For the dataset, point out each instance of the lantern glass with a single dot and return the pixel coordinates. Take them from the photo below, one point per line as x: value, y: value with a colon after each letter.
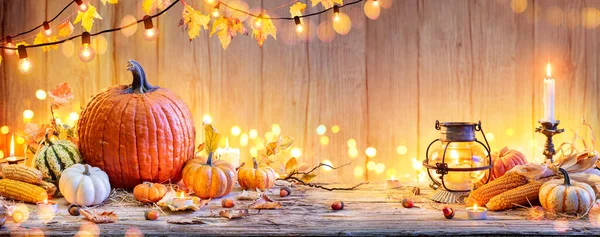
x: 459, y: 155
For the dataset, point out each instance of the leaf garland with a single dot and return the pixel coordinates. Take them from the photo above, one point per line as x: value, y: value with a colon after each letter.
x: 149, y: 5
x: 87, y: 17
x: 327, y: 3
x: 297, y: 9
x: 266, y: 28
x: 42, y: 39
x: 194, y: 19
x: 226, y: 28
x: 212, y: 137
x: 65, y: 29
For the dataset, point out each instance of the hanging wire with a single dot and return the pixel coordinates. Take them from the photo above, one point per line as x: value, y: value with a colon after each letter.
x: 37, y: 27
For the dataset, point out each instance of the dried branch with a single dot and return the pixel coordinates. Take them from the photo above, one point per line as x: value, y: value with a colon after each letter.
x: 322, y: 187
x: 313, y: 169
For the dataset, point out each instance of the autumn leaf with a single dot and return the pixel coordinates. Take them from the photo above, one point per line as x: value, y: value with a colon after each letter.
x: 327, y: 3
x: 271, y: 148
x: 61, y: 95
x: 291, y: 166
x: 297, y: 9
x: 34, y: 133
x: 87, y: 17
x: 20, y: 43
x: 266, y: 28
x: 285, y: 143
x: 226, y: 28
x: 230, y: 214
x: 200, y: 147
x: 99, y: 217
x: 307, y: 178
x: 109, y: 1
x: 194, y: 20
x: 65, y: 29
x: 264, y: 202
x: 149, y: 5
x: 42, y: 39
x: 212, y: 138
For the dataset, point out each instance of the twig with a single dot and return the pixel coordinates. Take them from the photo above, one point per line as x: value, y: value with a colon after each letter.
x: 322, y: 187
x: 315, y: 168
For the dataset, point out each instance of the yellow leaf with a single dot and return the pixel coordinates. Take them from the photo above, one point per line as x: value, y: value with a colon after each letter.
x: 307, y: 178
x: 271, y: 148
x: 87, y: 17
x: 109, y: 1
x: 20, y: 43
x: 297, y: 9
x: 285, y: 143
x: 194, y: 20
x: 212, y: 138
x: 149, y: 5
x: 65, y: 29
x: 266, y: 28
x: 327, y: 3
x: 42, y: 39
x: 226, y: 28
x: 291, y: 166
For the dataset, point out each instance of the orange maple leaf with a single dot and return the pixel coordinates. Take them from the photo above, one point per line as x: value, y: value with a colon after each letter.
x: 61, y: 95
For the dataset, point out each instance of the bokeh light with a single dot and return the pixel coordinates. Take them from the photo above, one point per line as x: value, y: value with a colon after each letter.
x: 352, y: 152
x: 359, y: 171
x: 371, y: 152
x: 4, y: 130
x: 371, y: 165
x: 235, y: 131
x: 380, y: 168
x: 509, y: 132
x: 335, y: 129
x: 253, y: 133
x: 325, y: 31
x: 244, y: 140
x: 351, y: 143
x: 129, y: 31
x: 321, y: 129
x: 518, y: 6
x: 402, y: 150
x: 41, y: 94
x: 68, y: 48
x: 324, y: 140
x: 275, y: 129
x: 206, y: 119
x: 296, y: 152
x: 343, y: 24
x: 327, y: 162
x: 490, y: 136
x: 27, y: 114
x: 20, y: 140
x: 269, y: 136
x: 253, y: 152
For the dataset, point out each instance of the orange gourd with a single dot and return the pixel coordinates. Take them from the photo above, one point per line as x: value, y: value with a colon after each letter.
x: 137, y: 132
x: 251, y: 178
x: 504, y: 160
x: 149, y: 192
x: 208, y: 178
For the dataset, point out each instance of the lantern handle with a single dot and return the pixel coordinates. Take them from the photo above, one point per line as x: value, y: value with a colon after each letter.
x: 437, y: 125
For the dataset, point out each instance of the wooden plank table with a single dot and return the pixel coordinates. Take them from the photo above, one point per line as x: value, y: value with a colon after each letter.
x: 368, y: 211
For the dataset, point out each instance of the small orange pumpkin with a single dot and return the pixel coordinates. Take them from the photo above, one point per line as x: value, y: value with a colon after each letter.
x: 251, y: 178
x: 149, y: 192
x: 504, y: 160
x: 208, y: 178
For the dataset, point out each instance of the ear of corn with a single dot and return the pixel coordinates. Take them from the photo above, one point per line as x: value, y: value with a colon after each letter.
x: 49, y: 187
x: 22, y: 173
x: 521, y: 195
x: 22, y: 191
x: 483, y: 194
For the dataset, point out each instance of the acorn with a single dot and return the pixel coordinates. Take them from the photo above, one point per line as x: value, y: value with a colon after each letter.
x: 285, y: 191
x: 339, y: 205
x: 448, y: 212
x: 151, y: 215
x: 227, y: 203
x: 416, y: 190
x: 407, y: 203
x: 74, y: 210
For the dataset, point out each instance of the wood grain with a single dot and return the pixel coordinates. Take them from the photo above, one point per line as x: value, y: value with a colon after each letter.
x: 384, y: 84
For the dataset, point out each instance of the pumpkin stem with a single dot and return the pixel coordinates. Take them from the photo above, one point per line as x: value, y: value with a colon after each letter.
x: 47, y: 139
x: 566, y: 175
x: 255, y: 163
x: 209, y: 159
x: 87, y: 170
x: 139, y: 84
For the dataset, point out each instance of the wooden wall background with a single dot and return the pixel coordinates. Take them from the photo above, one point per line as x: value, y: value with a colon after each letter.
x: 384, y: 84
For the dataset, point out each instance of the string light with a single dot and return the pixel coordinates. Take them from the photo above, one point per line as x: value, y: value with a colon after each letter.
x: 151, y: 32
x: 299, y: 27
x: 258, y: 21
x: 215, y: 12
x: 9, y: 44
x: 86, y: 53
x: 24, y: 63
x: 83, y: 7
x: 372, y: 9
x: 47, y: 30
x: 336, y: 13
x: 375, y: 3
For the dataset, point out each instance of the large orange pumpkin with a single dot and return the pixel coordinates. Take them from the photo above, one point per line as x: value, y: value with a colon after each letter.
x: 137, y: 132
x: 504, y: 160
x: 208, y: 178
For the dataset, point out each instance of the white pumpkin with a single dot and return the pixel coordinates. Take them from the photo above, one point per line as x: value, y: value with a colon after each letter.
x: 84, y: 185
x: 566, y: 196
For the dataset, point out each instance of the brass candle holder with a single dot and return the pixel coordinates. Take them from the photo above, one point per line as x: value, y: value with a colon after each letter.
x: 549, y: 128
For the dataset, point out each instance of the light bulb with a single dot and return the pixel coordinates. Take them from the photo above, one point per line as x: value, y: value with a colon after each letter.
x: 375, y: 3
x: 343, y: 25
x: 47, y: 30
x: 336, y: 13
x: 83, y: 7
x: 372, y: 10
x: 25, y: 66
x: 336, y: 17
x: 299, y: 27
x: 215, y: 12
x: 86, y: 53
x: 9, y: 51
x: 258, y: 23
x: 151, y: 32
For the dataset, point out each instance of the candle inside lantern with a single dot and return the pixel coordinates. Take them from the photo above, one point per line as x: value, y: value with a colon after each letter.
x: 392, y: 183
x: 456, y: 180
x: 181, y: 200
x: 46, y: 210
x: 549, y: 85
x: 477, y: 213
x: 231, y: 155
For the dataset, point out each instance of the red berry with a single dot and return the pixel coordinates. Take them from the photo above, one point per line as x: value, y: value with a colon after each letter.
x: 448, y: 212
x: 285, y: 191
x: 151, y: 215
x: 228, y: 203
x: 339, y: 205
x: 407, y: 203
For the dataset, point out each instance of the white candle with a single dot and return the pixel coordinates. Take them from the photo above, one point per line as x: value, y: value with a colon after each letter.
x: 455, y: 180
x: 181, y: 201
x: 477, y: 213
x: 392, y: 183
x: 549, y: 96
x: 231, y: 155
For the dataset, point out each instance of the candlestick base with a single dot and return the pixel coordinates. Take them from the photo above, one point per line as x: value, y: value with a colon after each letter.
x: 549, y: 129
x: 444, y: 196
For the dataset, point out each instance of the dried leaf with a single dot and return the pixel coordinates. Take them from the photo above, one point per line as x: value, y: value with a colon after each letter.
x: 87, y: 17
x: 61, y: 95
x: 149, y: 5
x: 291, y: 166
x: 230, y: 214
x: 200, y: 147
x: 327, y: 3
x: 303, y: 167
x: 194, y: 20
x: 34, y: 133
x: 285, y: 143
x: 271, y: 148
x: 42, y: 39
x: 226, y: 28
x: 186, y: 221
x: 109, y: 1
x: 212, y: 138
x: 307, y: 178
x: 99, y: 218
x: 297, y: 9
x: 264, y: 202
x: 65, y: 29
x: 246, y: 195
x: 167, y: 201
x: 266, y: 28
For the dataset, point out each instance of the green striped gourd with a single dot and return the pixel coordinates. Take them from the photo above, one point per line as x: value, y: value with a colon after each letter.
x: 56, y: 156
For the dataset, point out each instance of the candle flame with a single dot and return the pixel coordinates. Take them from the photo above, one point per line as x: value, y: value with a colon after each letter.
x: 46, y: 201
x: 226, y: 142
x: 548, y: 71
x: 475, y: 208
x: 181, y: 195
x: 392, y: 178
x: 12, y: 146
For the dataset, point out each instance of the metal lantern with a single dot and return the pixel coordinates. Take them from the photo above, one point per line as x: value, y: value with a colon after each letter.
x: 458, y: 162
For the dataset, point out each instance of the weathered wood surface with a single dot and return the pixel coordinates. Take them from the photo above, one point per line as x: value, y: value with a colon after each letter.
x: 384, y: 84
x: 368, y: 211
